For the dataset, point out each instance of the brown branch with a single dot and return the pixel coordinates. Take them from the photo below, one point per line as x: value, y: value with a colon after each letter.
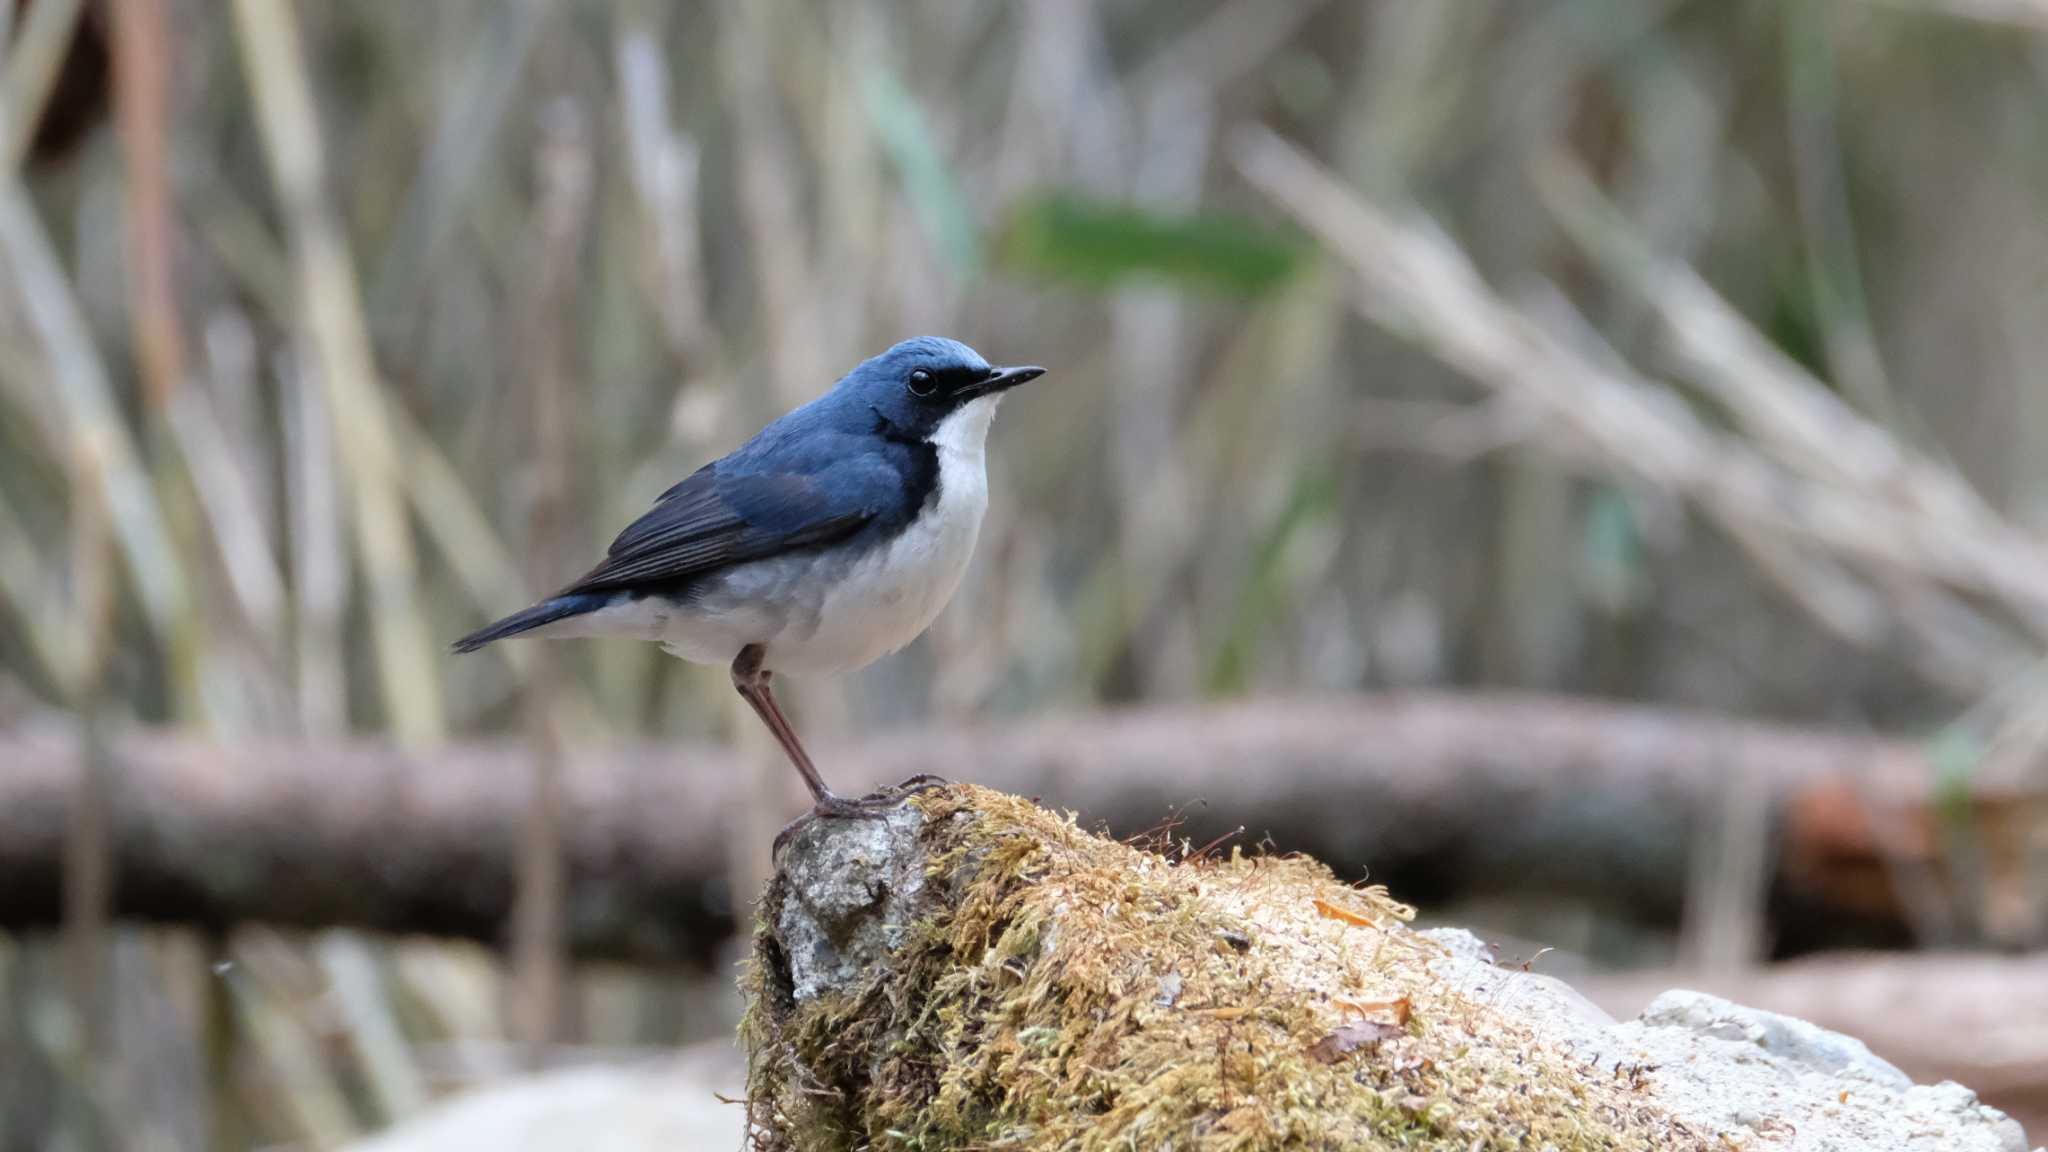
x: 1442, y: 794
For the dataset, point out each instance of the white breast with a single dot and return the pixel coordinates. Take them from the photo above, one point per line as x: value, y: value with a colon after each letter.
x: 889, y: 597
x: 829, y: 612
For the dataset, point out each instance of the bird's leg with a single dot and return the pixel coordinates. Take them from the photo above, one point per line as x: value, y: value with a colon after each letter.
x: 752, y: 682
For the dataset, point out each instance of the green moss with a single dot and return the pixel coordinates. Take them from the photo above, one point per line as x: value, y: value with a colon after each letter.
x: 1063, y: 991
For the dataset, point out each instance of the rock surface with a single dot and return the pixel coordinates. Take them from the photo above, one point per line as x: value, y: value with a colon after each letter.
x: 1697, y: 1070
x: 878, y: 929
x: 1760, y: 1078
x: 852, y: 896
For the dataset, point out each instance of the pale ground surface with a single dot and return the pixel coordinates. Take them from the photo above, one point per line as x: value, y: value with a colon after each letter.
x: 667, y: 1106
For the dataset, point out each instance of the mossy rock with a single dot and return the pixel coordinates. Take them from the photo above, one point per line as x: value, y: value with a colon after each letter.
x: 974, y: 972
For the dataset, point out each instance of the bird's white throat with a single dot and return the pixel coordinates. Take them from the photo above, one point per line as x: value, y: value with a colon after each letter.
x: 964, y: 433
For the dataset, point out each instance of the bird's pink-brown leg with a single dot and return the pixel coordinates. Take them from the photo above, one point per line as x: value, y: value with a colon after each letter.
x: 752, y: 681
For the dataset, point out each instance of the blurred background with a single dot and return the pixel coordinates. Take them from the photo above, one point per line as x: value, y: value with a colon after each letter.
x: 1582, y: 463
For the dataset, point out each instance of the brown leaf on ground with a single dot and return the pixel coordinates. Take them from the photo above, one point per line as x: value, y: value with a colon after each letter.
x: 1395, y: 1012
x: 1351, y: 1037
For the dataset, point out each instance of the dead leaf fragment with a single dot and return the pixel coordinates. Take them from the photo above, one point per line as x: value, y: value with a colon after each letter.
x: 1351, y: 1037
x: 1344, y: 914
x: 1395, y: 1012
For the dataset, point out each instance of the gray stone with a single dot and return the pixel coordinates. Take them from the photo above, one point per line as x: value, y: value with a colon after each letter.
x: 850, y: 892
x: 1760, y: 1079
x: 1460, y: 943
x: 1791, y: 1041
x: 1569, y: 1020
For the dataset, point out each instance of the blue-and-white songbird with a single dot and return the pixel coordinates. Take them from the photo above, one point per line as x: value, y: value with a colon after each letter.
x: 829, y: 540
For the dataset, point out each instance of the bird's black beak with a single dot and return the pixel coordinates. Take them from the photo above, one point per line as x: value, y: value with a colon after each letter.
x: 1004, y: 379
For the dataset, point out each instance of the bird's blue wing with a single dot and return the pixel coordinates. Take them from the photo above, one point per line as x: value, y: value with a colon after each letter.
x: 714, y: 519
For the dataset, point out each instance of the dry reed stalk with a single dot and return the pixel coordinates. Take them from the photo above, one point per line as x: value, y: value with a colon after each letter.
x: 141, y: 41
x: 228, y: 495
x: 86, y: 396
x: 391, y: 1071
x: 319, y: 548
x: 450, y: 517
x: 1418, y: 282
x: 466, y: 128
x: 267, y: 985
x: 769, y: 182
x: 333, y: 322
x: 88, y: 841
x: 663, y: 165
x: 563, y: 173
x: 26, y: 588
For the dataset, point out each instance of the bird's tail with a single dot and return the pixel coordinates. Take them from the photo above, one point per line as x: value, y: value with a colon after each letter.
x: 546, y: 612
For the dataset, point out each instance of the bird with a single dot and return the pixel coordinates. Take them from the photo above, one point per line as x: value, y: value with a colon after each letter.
x: 832, y: 538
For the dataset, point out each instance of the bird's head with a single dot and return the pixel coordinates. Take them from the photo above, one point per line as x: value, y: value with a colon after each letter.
x: 933, y: 388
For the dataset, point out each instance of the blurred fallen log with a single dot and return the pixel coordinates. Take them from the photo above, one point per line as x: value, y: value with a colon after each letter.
x: 1443, y: 794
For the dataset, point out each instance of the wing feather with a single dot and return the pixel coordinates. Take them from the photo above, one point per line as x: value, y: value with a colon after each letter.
x: 709, y: 521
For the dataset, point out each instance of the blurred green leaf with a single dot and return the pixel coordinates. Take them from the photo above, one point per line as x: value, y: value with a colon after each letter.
x: 1954, y: 753
x: 1793, y: 321
x: 1611, y: 551
x: 927, y: 180
x: 1313, y: 497
x: 1100, y: 244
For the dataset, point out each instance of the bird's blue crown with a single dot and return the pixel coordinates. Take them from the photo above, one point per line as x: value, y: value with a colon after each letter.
x: 931, y: 353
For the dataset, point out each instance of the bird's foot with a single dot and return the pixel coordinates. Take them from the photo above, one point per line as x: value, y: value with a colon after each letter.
x: 831, y: 807
x: 872, y: 806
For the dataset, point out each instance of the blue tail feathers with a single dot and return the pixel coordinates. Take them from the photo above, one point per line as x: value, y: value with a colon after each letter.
x: 546, y: 612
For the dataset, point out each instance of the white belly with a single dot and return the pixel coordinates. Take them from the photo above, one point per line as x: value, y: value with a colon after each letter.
x: 886, y: 599
x: 832, y: 611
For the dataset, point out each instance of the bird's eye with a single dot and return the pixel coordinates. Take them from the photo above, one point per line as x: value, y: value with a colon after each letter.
x: 922, y: 384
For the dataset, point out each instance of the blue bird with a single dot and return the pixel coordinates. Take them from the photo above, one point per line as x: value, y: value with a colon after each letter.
x: 829, y: 540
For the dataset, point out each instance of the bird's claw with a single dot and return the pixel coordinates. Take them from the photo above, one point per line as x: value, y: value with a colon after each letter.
x: 872, y: 806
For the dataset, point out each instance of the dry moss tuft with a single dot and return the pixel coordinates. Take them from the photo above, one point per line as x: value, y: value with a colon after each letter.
x: 1062, y: 991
